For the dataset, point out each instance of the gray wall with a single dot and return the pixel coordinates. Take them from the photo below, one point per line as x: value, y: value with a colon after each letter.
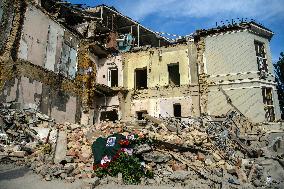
x: 46, y: 43
x: 230, y: 60
x: 233, y: 52
x: 58, y: 104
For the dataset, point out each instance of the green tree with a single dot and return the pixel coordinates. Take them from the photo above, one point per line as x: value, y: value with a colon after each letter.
x: 279, y: 73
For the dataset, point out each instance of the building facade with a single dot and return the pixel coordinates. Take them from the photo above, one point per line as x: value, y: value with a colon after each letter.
x: 94, y: 64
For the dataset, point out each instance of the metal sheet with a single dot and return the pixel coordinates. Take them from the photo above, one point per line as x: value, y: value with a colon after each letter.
x: 51, y: 48
x: 73, y: 63
x: 64, y: 59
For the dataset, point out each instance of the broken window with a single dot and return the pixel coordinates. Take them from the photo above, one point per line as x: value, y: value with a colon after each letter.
x: 140, y: 114
x: 268, y: 102
x: 177, y: 110
x: 141, y: 78
x: 174, y: 76
x: 109, y: 116
x: 261, y: 57
x: 113, y: 77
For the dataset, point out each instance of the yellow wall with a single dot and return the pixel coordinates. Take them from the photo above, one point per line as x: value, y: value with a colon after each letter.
x: 157, y: 67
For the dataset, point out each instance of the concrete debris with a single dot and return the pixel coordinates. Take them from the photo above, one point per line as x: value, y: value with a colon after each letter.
x: 179, y: 175
x: 204, y: 152
x: 22, y: 130
x: 156, y: 157
x: 61, y: 147
x: 142, y: 149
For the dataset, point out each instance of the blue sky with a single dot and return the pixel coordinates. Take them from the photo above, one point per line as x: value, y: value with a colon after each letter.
x: 182, y: 17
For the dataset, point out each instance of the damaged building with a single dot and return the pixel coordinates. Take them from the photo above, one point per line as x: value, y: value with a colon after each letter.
x: 88, y: 65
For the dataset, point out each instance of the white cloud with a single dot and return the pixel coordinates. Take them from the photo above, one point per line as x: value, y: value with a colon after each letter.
x: 260, y: 9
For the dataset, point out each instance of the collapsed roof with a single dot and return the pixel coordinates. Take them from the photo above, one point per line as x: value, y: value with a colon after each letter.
x: 106, y: 26
x: 102, y: 20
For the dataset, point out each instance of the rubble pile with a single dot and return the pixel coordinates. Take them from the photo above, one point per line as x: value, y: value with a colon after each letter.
x: 75, y: 161
x: 19, y: 129
x: 215, y: 152
x: 208, y: 151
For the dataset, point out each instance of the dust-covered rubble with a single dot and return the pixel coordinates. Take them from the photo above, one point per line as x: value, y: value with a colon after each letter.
x: 208, y: 151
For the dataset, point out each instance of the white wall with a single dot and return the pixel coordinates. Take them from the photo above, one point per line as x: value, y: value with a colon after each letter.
x: 107, y: 63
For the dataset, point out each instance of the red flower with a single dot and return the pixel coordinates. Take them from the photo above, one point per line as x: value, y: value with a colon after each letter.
x: 115, y: 156
x: 121, y: 142
x: 95, y: 167
x: 124, y: 142
x: 104, y: 165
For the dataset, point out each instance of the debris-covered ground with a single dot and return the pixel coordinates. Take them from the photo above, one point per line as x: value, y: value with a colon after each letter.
x: 205, y: 152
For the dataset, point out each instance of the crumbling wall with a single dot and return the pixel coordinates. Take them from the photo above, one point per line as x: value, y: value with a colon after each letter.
x: 33, y: 42
x: 159, y: 98
x: 276, y: 104
x: 13, y: 16
x: 202, y: 75
x: 104, y: 65
x: 6, y: 16
x: 230, y: 62
x: 193, y: 63
x: 15, y: 90
x: 166, y: 106
x: 54, y: 96
x: 230, y: 53
x: 32, y: 83
x: 157, y: 61
x: 104, y: 104
x: 159, y: 102
x: 247, y: 100
x: 86, y: 76
x: 6, y: 19
x: 50, y: 45
x: 162, y: 107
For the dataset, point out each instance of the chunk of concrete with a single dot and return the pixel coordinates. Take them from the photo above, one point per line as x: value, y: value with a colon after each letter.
x: 156, y: 157
x: 142, y: 149
x: 20, y: 154
x: 43, y: 133
x: 179, y: 175
x: 61, y: 147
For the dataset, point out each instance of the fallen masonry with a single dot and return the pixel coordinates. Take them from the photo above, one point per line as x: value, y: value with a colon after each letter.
x: 215, y: 152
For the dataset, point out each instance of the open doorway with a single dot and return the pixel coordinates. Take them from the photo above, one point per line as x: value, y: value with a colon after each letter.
x: 177, y: 111
x: 139, y: 114
x: 109, y: 116
x: 113, y: 77
x: 141, y: 78
x: 174, y: 76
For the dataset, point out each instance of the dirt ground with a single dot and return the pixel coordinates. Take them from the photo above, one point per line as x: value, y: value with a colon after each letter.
x: 16, y: 177
x: 20, y: 177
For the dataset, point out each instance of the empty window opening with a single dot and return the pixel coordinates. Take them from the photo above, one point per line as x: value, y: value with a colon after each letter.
x: 113, y: 77
x: 261, y: 56
x: 174, y: 76
x: 268, y: 104
x: 177, y: 110
x: 141, y: 78
x: 109, y: 116
x: 140, y: 114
